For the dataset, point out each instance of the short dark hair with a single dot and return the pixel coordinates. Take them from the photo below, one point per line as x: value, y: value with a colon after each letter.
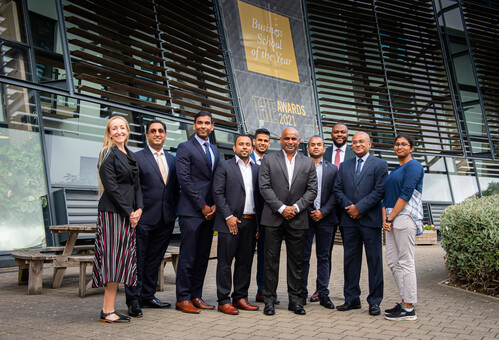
x: 203, y: 113
x: 239, y: 136
x: 403, y: 135
x: 155, y: 121
x: 262, y: 131
x: 340, y: 123
x: 315, y: 136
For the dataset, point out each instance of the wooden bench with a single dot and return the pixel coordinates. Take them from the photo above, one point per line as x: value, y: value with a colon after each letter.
x: 30, y: 263
x: 80, y: 249
x: 83, y: 261
x: 171, y: 255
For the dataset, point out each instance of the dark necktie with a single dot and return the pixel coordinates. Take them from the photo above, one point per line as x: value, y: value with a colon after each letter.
x: 208, y: 154
x: 357, y: 171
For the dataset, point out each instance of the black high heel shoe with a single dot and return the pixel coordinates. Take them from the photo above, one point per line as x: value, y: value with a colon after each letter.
x: 121, y: 318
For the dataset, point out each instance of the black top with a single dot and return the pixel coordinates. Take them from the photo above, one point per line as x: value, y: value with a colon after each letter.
x: 119, y: 175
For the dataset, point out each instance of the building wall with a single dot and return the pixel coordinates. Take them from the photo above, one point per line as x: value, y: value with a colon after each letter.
x: 65, y: 69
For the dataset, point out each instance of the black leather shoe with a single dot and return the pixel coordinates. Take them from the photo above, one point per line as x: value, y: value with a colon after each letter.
x: 269, y: 309
x: 135, y: 311
x: 326, y: 302
x: 374, y: 310
x: 349, y: 305
x: 155, y: 303
x: 297, y: 308
x: 121, y: 318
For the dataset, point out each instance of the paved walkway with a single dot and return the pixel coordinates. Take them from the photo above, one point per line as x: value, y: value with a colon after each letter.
x: 443, y: 312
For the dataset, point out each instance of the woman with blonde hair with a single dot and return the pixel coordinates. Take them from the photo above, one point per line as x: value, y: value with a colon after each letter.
x: 119, y: 210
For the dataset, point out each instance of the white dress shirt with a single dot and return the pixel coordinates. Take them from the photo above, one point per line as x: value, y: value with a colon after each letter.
x: 201, y: 142
x: 246, y: 172
x: 343, y: 150
x: 290, y: 165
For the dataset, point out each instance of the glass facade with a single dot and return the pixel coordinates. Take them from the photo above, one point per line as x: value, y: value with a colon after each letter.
x: 62, y: 76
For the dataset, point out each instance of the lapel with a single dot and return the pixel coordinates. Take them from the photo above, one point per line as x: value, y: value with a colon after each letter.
x: 122, y: 157
x: 203, y: 152
x: 325, y: 169
x: 299, y: 159
x: 150, y: 157
x: 171, y: 165
x: 364, y: 168
x: 237, y: 171
x: 282, y: 163
x: 254, y: 173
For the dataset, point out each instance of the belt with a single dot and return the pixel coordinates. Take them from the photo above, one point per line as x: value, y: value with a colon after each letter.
x: 249, y: 217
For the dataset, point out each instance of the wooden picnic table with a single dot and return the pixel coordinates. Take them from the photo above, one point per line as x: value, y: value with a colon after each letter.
x: 61, y: 262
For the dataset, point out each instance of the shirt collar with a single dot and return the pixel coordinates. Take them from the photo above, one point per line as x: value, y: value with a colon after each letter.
x: 363, y: 158
x: 200, y: 140
x: 286, y: 155
x: 154, y: 151
x: 343, y: 148
x: 240, y: 161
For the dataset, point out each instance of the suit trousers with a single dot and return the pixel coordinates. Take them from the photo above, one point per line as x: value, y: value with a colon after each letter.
x: 400, y: 257
x: 294, y: 239
x: 241, y: 248
x: 323, y: 238
x: 260, y: 251
x: 196, y: 236
x: 152, y: 242
x: 353, y: 239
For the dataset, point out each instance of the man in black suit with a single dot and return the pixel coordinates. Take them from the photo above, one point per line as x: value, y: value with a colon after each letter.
x: 341, y: 152
x: 288, y: 185
x: 359, y: 189
x: 196, y: 162
x: 158, y: 181
x: 322, y: 222
x: 235, y: 191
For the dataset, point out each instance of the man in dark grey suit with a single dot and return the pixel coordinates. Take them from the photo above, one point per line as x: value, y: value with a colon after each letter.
x: 235, y: 192
x: 359, y: 189
x: 288, y: 185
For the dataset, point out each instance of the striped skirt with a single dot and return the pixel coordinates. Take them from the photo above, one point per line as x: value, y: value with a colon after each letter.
x: 115, y: 251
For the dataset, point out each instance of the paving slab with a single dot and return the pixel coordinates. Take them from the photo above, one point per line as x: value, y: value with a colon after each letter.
x: 443, y: 312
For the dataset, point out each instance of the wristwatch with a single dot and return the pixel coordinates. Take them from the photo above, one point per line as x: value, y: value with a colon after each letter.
x: 295, y: 208
x: 388, y: 221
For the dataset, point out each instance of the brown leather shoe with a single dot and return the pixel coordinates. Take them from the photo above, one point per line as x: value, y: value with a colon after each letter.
x: 186, y: 307
x: 315, y: 297
x: 228, y: 308
x: 244, y: 304
x: 199, y: 303
x: 259, y: 298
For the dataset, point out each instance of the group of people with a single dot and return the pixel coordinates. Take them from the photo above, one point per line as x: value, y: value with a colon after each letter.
x: 255, y: 199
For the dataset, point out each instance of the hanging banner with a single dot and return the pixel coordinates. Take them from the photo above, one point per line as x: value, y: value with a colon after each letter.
x: 270, y: 62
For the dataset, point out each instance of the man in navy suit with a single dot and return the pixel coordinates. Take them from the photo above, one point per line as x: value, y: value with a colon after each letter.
x: 261, y: 143
x: 322, y: 222
x: 336, y: 154
x: 359, y: 189
x: 196, y: 163
x: 235, y: 191
x: 158, y: 181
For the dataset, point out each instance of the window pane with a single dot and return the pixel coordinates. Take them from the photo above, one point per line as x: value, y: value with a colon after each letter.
x: 14, y: 61
x: 23, y: 190
x: 11, y: 26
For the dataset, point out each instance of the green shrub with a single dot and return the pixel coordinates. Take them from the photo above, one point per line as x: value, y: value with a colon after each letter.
x: 470, y: 237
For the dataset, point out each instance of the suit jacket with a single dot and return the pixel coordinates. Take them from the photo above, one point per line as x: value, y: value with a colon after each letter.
x: 366, y: 195
x: 229, y: 193
x: 194, y: 177
x: 275, y: 190
x: 122, y: 193
x: 328, y: 200
x: 328, y: 155
x: 159, y: 199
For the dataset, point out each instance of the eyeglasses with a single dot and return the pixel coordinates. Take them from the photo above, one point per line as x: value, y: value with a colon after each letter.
x: 401, y: 144
x: 153, y: 131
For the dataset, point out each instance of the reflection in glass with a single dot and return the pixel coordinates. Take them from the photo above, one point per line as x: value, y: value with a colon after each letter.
x: 22, y: 175
x: 14, y: 61
x: 11, y: 27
